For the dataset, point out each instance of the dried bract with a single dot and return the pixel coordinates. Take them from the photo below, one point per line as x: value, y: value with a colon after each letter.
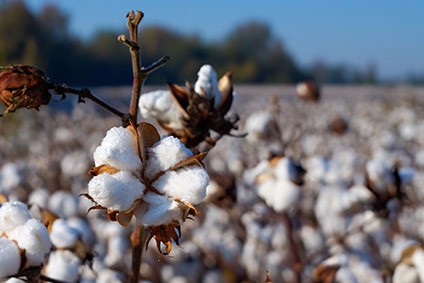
x: 308, y: 91
x: 23, y: 86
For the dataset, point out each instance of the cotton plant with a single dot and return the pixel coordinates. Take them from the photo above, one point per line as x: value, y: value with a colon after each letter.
x: 156, y: 179
x: 193, y: 113
x: 24, y: 242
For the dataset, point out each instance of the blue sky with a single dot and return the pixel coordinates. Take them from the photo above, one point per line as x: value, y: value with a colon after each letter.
x: 387, y: 33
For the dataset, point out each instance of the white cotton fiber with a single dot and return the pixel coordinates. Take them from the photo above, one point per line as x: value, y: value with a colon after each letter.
x: 188, y: 184
x: 10, y: 258
x: 63, y: 204
x: 164, y: 154
x: 161, y: 210
x: 161, y: 106
x: 119, y: 150
x: 63, y: 266
x: 75, y: 164
x: 10, y: 177
x: 62, y: 235
x: 281, y: 195
x: 83, y: 228
x: 256, y: 126
x: 34, y: 238
x: 207, y: 84
x: 117, y: 191
x: 12, y: 215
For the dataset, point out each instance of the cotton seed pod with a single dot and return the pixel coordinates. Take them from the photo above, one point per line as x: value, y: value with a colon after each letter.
x: 23, y: 86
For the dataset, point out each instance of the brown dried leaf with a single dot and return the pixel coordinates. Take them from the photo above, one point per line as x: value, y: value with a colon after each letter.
x: 124, y: 218
x: 180, y: 96
x: 102, y: 169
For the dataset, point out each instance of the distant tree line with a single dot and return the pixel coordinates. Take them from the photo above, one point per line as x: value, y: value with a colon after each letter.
x: 251, y: 51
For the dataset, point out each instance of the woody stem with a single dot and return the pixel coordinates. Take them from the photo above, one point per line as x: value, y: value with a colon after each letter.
x: 138, y: 240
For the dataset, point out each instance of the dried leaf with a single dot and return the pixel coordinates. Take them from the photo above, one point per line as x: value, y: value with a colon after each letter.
x: 147, y: 136
x: 102, y: 169
x: 180, y: 96
x: 124, y: 218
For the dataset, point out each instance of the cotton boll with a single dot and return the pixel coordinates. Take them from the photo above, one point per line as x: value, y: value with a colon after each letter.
x: 115, y: 191
x: 207, y: 84
x: 10, y: 177
x: 39, y: 197
x: 257, y: 126
x: 63, y: 266
x: 116, y: 247
x: 161, y: 106
x: 63, y: 204
x: 188, y: 184
x: 75, y: 164
x: 418, y: 261
x: 62, y: 235
x: 404, y: 273
x: 110, y: 276
x: 12, y: 215
x: 161, y: 210
x: 164, y: 154
x: 379, y: 174
x: 84, y: 229
x: 119, y: 150
x: 34, y: 238
x: 10, y: 258
x: 282, y: 195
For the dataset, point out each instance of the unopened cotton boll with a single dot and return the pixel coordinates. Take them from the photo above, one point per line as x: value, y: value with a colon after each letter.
x: 10, y: 258
x: 34, y: 238
x: 119, y: 150
x: 62, y: 235
x: 12, y: 215
x: 164, y: 154
x: 63, y: 266
x: 187, y: 184
x: 207, y: 84
x: 115, y: 191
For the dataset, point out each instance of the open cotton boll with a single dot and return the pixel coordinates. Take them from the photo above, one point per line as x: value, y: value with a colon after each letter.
x: 83, y: 228
x: 164, y: 154
x: 256, y: 126
x: 405, y: 273
x: 119, y: 150
x: 160, y: 105
x: 75, y: 164
x: 34, y: 238
x: 10, y: 258
x: 12, y: 215
x: 39, y: 197
x: 161, y: 210
x: 116, y: 247
x: 63, y: 204
x: 63, y: 266
x: 380, y: 174
x: 207, y: 84
x: 62, y: 235
x: 187, y: 184
x: 282, y: 195
x: 115, y: 191
x: 10, y: 177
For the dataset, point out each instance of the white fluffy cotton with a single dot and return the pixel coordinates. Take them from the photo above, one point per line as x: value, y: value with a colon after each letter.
x: 63, y: 204
x: 75, y: 164
x: 207, y: 84
x: 34, y: 238
x: 63, y: 235
x: 256, y: 126
x: 380, y: 174
x: 115, y: 191
x: 10, y: 258
x: 164, y: 154
x: 161, y: 210
x: 63, y: 266
x: 119, y: 150
x: 12, y: 215
x: 281, y: 195
x: 161, y: 106
x: 188, y: 184
x: 10, y: 177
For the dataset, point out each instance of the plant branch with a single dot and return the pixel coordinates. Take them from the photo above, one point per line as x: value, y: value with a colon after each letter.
x: 139, y: 73
x: 85, y: 93
x: 138, y: 240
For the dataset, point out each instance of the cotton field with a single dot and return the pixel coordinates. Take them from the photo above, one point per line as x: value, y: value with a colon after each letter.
x: 324, y: 190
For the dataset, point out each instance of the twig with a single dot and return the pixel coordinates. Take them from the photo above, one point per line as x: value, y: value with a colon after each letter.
x: 138, y: 240
x: 85, y: 93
